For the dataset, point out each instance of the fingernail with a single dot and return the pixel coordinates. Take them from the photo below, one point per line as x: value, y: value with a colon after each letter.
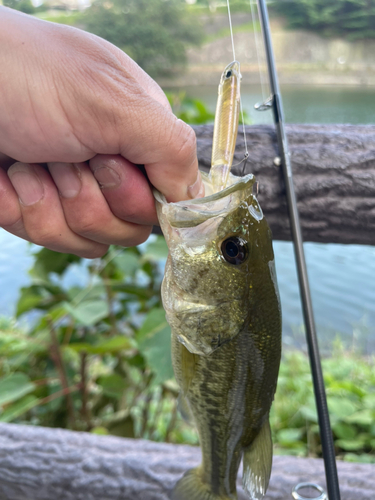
x: 26, y: 183
x: 196, y: 190
x: 66, y: 178
x: 107, y: 177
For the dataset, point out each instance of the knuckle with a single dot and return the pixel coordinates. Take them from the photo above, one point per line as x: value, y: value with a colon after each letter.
x: 184, y: 143
x: 12, y: 224
x: 87, y: 225
x: 138, y: 237
x: 96, y: 251
x: 44, y: 235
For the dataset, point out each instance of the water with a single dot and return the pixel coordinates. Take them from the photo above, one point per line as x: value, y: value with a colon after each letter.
x: 303, y: 104
x: 342, y: 276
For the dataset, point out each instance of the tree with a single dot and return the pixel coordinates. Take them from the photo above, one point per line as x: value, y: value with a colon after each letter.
x: 352, y: 18
x: 153, y: 32
x: 22, y: 5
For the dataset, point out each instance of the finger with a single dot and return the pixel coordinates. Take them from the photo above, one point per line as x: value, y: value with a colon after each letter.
x: 10, y: 211
x: 172, y: 166
x: 5, y: 161
x: 176, y: 172
x: 126, y: 189
x: 42, y: 214
x: 86, y: 210
x: 166, y: 147
x: 136, y: 125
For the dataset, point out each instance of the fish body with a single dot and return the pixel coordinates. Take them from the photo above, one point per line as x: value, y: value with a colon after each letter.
x: 222, y: 303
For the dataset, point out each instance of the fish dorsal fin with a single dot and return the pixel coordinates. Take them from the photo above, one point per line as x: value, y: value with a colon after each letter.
x: 257, y: 464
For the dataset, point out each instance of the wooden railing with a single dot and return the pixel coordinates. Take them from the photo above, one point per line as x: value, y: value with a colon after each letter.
x: 334, y: 175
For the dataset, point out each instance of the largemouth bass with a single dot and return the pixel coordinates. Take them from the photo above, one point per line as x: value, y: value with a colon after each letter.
x: 221, y: 300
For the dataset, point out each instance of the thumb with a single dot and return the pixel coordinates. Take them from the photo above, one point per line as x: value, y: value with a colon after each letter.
x: 165, y: 145
x: 173, y: 166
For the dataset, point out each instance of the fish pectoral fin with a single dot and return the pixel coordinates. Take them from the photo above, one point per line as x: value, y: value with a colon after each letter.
x: 257, y: 464
x: 184, y: 409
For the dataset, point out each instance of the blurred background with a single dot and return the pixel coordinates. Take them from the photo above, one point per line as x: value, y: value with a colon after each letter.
x: 85, y: 345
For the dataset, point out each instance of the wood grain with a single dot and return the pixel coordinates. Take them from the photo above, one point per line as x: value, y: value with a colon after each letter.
x: 334, y: 177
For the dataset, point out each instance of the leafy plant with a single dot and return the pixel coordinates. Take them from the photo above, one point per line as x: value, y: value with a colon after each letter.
x: 21, y: 5
x: 350, y: 382
x: 153, y: 32
x: 98, y: 356
x: 352, y: 18
x: 110, y: 372
x: 189, y: 110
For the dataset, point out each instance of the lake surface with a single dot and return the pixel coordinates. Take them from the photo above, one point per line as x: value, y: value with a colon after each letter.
x: 303, y: 104
x: 342, y: 276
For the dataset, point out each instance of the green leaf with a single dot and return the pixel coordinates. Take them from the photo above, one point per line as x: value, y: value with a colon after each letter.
x: 18, y: 408
x: 14, y: 386
x: 369, y: 401
x: 88, y: 312
x: 364, y: 458
x: 110, y: 346
x: 344, y: 431
x: 350, y: 445
x: 363, y: 417
x: 101, y: 431
x: 340, y: 408
x: 95, y: 292
x: 127, y: 262
x: 154, y: 321
x: 157, y: 249
x: 114, y: 344
x: 30, y: 298
x: 289, y: 436
x: 113, y: 385
x: 48, y: 261
x: 309, y: 413
x: 154, y: 342
x: 123, y: 428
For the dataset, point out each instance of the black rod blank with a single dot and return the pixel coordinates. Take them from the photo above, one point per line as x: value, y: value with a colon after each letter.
x: 311, y: 337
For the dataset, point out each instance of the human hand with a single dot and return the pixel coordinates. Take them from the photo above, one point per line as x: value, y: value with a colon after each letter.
x: 77, y: 116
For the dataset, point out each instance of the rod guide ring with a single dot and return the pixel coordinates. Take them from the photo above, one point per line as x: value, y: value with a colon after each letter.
x: 300, y: 486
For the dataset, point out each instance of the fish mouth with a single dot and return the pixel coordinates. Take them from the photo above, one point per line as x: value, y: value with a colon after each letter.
x: 191, y: 213
x: 235, y: 184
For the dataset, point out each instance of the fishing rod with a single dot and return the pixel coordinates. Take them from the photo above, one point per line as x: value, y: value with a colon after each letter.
x: 275, y: 102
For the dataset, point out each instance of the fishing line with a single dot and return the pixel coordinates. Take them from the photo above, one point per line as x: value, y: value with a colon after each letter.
x: 328, y: 448
x: 241, y: 109
x: 231, y: 30
x: 259, y: 49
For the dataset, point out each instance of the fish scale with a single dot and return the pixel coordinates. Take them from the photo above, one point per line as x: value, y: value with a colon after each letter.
x: 226, y: 335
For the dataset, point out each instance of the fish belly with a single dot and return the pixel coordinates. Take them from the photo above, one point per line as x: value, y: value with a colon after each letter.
x: 229, y: 393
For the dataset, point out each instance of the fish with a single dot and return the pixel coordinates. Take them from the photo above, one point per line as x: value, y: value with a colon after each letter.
x: 222, y: 303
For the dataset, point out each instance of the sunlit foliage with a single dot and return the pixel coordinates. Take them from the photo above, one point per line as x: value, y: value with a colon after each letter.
x: 351, y: 18
x: 153, y: 32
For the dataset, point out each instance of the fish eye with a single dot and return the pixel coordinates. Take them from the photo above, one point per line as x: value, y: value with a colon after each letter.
x: 234, y: 250
x: 228, y: 74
